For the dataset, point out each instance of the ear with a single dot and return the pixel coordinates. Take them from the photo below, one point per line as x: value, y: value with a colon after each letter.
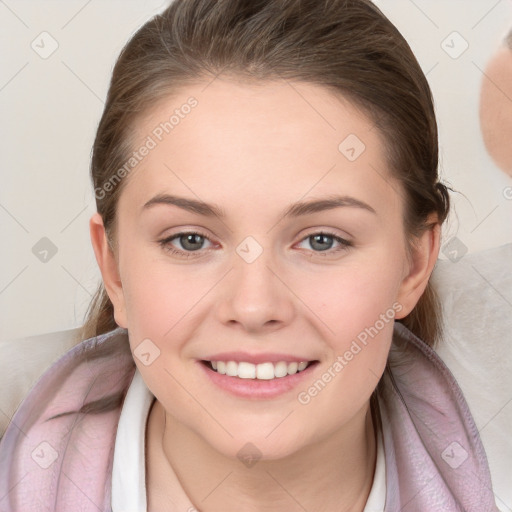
x: 109, y: 268
x: 424, y: 254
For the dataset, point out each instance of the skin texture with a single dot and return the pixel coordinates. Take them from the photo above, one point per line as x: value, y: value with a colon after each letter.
x: 254, y: 150
x: 496, y: 108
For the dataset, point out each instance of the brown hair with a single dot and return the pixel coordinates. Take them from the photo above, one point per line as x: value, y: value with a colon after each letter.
x: 347, y: 46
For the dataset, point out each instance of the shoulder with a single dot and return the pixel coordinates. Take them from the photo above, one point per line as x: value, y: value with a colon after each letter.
x: 429, y: 432
x: 67, y: 423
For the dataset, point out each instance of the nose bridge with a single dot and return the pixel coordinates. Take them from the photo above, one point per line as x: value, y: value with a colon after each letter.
x: 254, y: 296
x: 252, y: 275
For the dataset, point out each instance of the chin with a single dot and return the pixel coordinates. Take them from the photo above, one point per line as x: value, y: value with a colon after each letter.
x: 256, y: 445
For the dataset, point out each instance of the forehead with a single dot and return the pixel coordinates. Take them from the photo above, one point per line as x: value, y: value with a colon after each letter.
x: 259, y: 141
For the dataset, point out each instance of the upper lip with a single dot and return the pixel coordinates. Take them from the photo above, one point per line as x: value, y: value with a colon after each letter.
x: 256, y: 358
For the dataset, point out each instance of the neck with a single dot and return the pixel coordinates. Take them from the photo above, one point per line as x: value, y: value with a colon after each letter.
x: 334, y: 474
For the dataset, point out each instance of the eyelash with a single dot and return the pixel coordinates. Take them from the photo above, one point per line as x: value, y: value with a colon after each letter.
x: 165, y: 243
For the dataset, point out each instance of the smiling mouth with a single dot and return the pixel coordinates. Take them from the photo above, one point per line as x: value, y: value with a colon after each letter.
x: 262, y: 371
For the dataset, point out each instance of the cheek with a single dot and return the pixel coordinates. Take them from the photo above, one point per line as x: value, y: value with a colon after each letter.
x: 160, y: 303
x: 352, y: 296
x: 356, y: 305
x: 163, y: 302
x: 361, y: 316
x: 157, y: 295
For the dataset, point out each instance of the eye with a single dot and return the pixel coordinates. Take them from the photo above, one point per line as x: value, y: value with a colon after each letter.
x: 189, y: 241
x: 323, y: 242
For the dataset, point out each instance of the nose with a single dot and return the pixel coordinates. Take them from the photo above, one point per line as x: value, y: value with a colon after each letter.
x: 255, y: 296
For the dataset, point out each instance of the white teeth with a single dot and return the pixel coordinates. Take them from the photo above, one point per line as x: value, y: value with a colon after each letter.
x: 302, y: 366
x: 262, y: 371
x: 246, y: 370
x: 231, y: 369
x: 281, y: 369
x: 265, y: 371
x: 292, y: 368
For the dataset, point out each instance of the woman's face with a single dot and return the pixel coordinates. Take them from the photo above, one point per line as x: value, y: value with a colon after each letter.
x: 260, y: 172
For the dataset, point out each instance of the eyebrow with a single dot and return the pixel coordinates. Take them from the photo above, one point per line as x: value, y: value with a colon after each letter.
x: 294, y: 210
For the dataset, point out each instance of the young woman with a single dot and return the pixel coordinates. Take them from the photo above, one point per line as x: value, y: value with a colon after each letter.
x: 269, y: 215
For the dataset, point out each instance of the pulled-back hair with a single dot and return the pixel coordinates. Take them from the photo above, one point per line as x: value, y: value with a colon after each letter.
x: 346, y: 46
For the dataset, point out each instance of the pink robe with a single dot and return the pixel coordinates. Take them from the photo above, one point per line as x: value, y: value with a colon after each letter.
x: 55, y: 459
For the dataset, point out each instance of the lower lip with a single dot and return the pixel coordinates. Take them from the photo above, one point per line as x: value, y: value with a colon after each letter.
x: 256, y: 388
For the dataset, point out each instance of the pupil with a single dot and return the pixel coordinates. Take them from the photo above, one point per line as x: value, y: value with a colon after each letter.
x: 324, y: 241
x: 191, y: 241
